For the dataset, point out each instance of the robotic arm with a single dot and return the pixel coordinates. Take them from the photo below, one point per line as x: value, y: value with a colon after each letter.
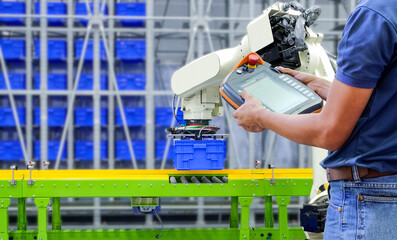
x: 281, y: 36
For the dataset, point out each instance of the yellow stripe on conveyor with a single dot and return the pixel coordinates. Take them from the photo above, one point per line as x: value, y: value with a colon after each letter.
x: 155, y: 174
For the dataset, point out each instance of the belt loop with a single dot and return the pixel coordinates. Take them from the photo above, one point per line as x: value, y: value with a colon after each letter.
x: 355, y: 174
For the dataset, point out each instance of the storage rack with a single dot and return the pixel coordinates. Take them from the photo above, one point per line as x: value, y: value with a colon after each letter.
x: 151, y: 33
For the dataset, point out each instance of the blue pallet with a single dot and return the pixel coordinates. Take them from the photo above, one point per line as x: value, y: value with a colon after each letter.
x: 12, y: 7
x: 10, y: 150
x: 54, y: 81
x: 89, y: 53
x: 17, y: 81
x: 84, y: 116
x: 7, y: 118
x: 160, y: 148
x: 86, y: 82
x: 56, y: 116
x: 199, y: 155
x: 81, y: 9
x: 164, y: 116
x: 135, y: 81
x: 131, y: 9
x: 56, y: 49
x: 53, y: 8
x: 131, y: 49
x: 135, y: 116
x: 52, y: 150
x: 13, y: 49
x: 123, y: 153
x: 84, y: 150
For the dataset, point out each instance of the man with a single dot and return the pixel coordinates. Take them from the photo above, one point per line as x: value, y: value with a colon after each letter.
x: 358, y: 125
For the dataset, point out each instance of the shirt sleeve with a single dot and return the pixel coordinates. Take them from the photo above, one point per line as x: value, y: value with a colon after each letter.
x: 366, y: 48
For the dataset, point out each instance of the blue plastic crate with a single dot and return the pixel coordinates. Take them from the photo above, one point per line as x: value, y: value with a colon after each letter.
x: 13, y: 49
x: 131, y: 49
x: 53, y: 8
x: 123, y: 153
x: 84, y: 116
x: 84, y: 150
x: 131, y: 9
x: 81, y: 9
x: 10, y: 150
x: 12, y: 7
x: 164, y: 116
x: 135, y: 116
x: 54, y: 81
x: 17, y: 81
x: 199, y: 155
x: 56, y: 49
x: 86, y: 82
x: 135, y: 81
x: 7, y: 118
x: 160, y: 148
x: 56, y: 116
x: 89, y: 53
x: 53, y: 147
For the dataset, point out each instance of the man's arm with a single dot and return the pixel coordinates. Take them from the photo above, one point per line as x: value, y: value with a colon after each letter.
x: 328, y: 129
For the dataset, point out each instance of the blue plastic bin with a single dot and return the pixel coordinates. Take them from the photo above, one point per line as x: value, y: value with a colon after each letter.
x: 54, y: 81
x: 53, y: 8
x: 135, y: 81
x: 84, y: 116
x: 160, y: 148
x: 135, y: 116
x: 123, y: 153
x: 52, y: 150
x: 86, y: 82
x: 199, y: 155
x: 7, y: 118
x: 164, y: 116
x: 17, y: 81
x: 81, y: 9
x: 131, y: 9
x: 131, y: 49
x: 13, y: 49
x: 10, y: 150
x: 12, y: 7
x: 56, y: 116
x: 56, y: 49
x: 84, y: 150
x: 89, y: 53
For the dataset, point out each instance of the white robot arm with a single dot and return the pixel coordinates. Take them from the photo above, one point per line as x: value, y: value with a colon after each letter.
x: 197, y: 83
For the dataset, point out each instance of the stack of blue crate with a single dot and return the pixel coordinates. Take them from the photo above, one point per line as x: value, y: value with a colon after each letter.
x: 131, y: 9
x: 53, y: 8
x: 12, y: 7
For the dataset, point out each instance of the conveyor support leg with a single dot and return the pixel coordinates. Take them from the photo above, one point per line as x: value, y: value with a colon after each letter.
x: 42, y: 204
x: 269, y: 219
x: 56, y: 214
x: 22, y: 218
x: 245, y: 203
x: 4, y: 203
x: 283, y: 216
x: 234, y: 213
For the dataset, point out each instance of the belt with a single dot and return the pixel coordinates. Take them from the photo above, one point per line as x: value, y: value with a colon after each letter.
x: 346, y: 173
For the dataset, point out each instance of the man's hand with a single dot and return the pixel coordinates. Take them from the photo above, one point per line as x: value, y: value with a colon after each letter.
x: 247, y: 114
x: 318, y: 85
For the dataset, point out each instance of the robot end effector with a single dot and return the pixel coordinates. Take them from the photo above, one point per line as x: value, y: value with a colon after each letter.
x: 280, y: 36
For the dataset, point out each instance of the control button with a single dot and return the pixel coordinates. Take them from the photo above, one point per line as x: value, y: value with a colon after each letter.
x: 301, y: 90
x: 297, y: 87
x: 289, y: 81
x: 239, y: 71
x: 293, y: 84
x: 313, y: 98
x: 310, y: 94
x: 306, y: 92
x: 253, y: 59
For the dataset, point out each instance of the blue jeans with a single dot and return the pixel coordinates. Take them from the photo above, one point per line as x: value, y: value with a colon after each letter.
x: 362, y: 210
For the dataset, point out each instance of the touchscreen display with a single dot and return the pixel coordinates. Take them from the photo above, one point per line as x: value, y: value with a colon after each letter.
x: 275, y: 95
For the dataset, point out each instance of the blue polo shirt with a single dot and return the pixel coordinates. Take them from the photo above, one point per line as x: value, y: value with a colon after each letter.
x: 367, y: 58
